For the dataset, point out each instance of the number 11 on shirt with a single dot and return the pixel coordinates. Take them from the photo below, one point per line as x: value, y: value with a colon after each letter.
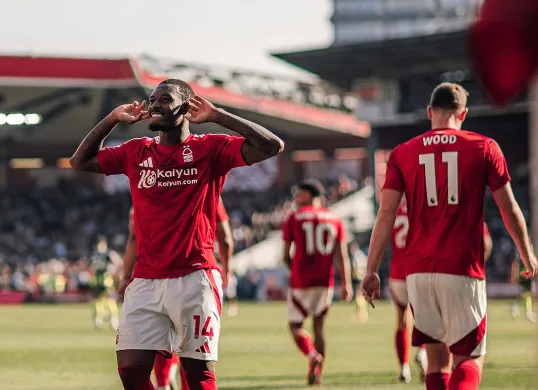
x: 451, y: 161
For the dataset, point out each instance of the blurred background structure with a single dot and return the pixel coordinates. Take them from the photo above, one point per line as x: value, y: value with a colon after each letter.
x: 364, y: 93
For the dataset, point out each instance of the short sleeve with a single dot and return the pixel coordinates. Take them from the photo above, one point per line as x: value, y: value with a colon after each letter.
x: 287, y: 229
x: 113, y: 161
x: 497, y: 174
x: 394, y: 178
x: 228, y: 152
x: 222, y: 215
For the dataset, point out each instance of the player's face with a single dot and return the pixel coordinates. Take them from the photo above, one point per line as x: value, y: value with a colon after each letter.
x: 101, y: 246
x: 166, y: 108
x: 302, y: 198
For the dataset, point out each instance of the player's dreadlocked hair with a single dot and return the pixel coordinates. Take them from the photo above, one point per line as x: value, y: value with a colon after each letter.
x: 449, y: 96
x: 185, y: 90
x: 313, y: 186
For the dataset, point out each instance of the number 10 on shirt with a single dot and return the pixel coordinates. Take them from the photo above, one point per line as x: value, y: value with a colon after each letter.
x: 451, y: 161
x: 319, y: 238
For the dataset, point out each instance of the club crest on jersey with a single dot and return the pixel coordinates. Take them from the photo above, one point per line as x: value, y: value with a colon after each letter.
x: 187, y: 154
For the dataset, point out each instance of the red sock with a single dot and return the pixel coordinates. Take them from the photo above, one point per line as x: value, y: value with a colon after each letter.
x: 437, y: 381
x: 162, y: 370
x: 466, y: 376
x: 402, y: 345
x: 422, y: 347
x: 304, y: 342
x: 198, y: 380
x: 136, y: 378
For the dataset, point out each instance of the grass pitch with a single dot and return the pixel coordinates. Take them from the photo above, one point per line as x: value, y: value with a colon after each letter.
x: 56, y: 347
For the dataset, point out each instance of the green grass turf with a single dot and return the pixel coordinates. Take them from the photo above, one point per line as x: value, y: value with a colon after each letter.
x: 55, y: 347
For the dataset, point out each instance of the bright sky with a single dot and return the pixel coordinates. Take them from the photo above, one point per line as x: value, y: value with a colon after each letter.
x: 238, y: 33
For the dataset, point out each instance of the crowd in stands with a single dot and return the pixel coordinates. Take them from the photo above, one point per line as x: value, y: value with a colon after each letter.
x: 46, y: 235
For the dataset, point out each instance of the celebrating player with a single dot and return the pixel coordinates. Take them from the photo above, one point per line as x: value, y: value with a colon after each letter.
x: 103, y: 263
x: 443, y: 174
x: 174, y: 301
x: 318, y: 236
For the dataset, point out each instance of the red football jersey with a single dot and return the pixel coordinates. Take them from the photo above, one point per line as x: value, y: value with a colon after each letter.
x: 175, y: 191
x: 315, y: 233
x: 399, y: 236
x: 444, y: 174
x: 222, y: 215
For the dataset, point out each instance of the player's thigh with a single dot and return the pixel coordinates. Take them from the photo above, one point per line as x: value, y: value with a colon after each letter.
x: 398, y: 293
x: 194, y: 303
x: 143, y: 324
x: 463, y: 304
x: 428, y: 327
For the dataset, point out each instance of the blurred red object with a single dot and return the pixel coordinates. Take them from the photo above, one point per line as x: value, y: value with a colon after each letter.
x: 503, y: 47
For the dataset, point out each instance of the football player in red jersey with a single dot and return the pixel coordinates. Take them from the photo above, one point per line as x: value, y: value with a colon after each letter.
x: 174, y: 301
x: 166, y: 369
x: 398, y: 291
x: 443, y: 174
x: 318, y: 235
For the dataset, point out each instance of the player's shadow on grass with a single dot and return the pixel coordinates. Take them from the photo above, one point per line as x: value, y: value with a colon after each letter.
x: 335, y: 379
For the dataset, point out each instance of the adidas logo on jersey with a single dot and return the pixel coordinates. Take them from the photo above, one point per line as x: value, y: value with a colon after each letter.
x: 147, y: 163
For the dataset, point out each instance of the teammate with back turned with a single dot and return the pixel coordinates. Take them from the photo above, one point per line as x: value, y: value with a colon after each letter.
x: 174, y: 302
x: 318, y: 236
x: 443, y: 174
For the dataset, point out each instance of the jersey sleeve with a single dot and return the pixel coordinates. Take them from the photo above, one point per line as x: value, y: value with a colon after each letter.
x: 287, y: 229
x: 496, y: 168
x: 228, y: 152
x: 222, y: 215
x: 394, y: 178
x: 113, y: 161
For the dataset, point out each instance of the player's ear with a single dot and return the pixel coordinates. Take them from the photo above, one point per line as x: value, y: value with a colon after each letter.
x: 429, y: 109
x: 463, y: 115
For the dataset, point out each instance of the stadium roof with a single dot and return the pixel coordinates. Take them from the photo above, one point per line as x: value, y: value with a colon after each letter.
x: 72, y: 94
x: 396, y: 58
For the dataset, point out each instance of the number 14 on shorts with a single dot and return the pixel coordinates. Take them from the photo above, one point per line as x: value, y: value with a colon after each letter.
x: 206, y: 330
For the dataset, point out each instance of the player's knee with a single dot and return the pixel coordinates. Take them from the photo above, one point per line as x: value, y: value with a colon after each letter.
x: 135, y: 358
x: 295, y: 327
x: 439, y: 358
x: 402, y: 319
x: 191, y: 365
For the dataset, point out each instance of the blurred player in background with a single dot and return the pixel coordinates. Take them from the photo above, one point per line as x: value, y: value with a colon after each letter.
x: 318, y: 237
x: 443, y: 174
x: 225, y: 247
x: 527, y: 290
x: 358, y: 269
x: 104, y: 263
x: 398, y: 292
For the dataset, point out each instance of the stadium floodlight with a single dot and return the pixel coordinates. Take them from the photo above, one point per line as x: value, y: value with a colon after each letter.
x: 32, y: 119
x: 18, y: 119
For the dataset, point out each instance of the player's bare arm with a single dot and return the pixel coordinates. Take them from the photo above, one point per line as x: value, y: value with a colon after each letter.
x: 85, y: 157
x: 260, y: 143
x: 515, y: 223
x: 381, y: 234
x: 343, y: 263
x: 488, y: 246
x: 286, y: 255
x: 226, y: 247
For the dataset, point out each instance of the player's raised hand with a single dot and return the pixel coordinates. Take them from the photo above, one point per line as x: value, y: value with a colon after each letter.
x: 371, y: 287
x: 131, y: 113
x: 200, y: 110
x: 531, y: 264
